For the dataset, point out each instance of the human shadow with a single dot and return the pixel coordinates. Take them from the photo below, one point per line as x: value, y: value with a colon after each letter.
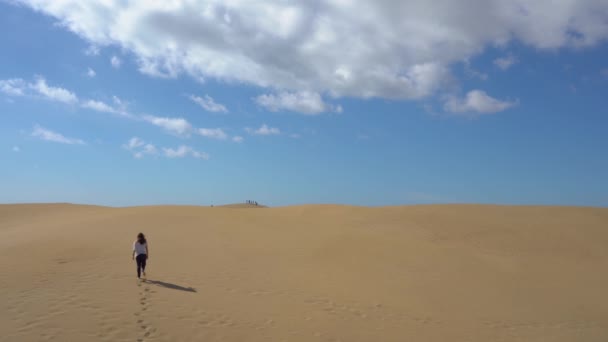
x: 170, y: 286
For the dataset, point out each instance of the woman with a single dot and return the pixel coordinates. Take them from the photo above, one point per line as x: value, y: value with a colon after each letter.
x: 140, y: 254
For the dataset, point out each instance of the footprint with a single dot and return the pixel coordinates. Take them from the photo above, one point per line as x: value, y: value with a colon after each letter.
x: 142, y: 324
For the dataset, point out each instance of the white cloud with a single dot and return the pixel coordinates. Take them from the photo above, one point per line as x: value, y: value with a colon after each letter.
x: 116, y: 62
x: 134, y: 143
x: 48, y: 135
x: 200, y: 155
x: 505, y: 63
x: 182, y: 127
x: 53, y: 93
x: 120, y: 107
x: 178, y: 126
x: 214, y: 133
x: 476, y: 101
x: 13, y: 87
x: 16, y: 149
x: 149, y: 149
x: 19, y: 87
x: 180, y: 152
x: 98, y: 106
x: 295, y: 136
x: 305, y: 102
x: 184, y: 151
x: 139, y: 148
x: 208, y: 104
x: 356, y: 48
x: 117, y: 101
x: 264, y: 130
x: 91, y: 73
x: 237, y: 139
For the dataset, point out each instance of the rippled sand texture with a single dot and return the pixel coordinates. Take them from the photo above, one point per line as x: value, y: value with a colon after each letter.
x: 307, y: 273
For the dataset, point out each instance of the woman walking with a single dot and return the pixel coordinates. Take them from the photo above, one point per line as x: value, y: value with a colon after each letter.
x: 140, y: 254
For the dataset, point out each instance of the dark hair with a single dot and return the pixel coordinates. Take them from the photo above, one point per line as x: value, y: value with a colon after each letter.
x: 141, y: 238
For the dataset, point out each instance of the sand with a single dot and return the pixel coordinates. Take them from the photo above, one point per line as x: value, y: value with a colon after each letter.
x: 305, y: 273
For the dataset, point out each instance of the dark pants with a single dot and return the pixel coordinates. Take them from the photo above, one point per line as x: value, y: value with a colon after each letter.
x: 141, y: 263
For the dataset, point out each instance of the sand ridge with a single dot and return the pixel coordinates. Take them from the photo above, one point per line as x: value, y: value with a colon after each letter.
x: 305, y: 273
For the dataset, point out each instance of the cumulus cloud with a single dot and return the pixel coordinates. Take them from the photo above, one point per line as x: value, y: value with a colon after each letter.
x: 476, y: 101
x: 209, y: 104
x: 91, y: 73
x: 213, y: 133
x: 505, y: 63
x: 305, y: 102
x: 177, y: 126
x: 386, y: 49
x: 115, y: 62
x: 53, y: 93
x: 13, y: 87
x: 237, y: 139
x: 139, y: 148
x: 184, y: 151
x: 264, y: 130
x: 48, y: 135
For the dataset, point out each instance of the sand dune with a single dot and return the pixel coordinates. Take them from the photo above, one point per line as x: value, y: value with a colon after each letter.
x: 305, y: 273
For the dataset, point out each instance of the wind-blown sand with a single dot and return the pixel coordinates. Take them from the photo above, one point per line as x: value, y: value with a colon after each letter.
x: 306, y: 273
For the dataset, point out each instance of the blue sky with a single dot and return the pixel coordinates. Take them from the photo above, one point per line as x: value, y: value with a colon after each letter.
x: 119, y: 104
